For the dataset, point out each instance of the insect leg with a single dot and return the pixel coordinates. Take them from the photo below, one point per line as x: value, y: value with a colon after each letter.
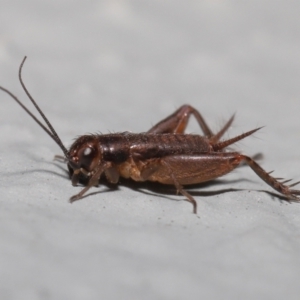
x: 112, y: 175
x: 286, y: 190
x: 189, y: 169
x: 180, y: 189
x: 92, y: 182
x: 177, y: 122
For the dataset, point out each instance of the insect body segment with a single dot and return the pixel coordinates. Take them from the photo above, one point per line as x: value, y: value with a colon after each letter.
x: 164, y: 154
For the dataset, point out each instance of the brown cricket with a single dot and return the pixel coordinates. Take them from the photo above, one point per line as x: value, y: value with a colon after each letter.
x: 165, y: 154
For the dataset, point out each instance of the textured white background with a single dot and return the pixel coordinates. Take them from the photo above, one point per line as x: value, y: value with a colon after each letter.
x: 124, y: 65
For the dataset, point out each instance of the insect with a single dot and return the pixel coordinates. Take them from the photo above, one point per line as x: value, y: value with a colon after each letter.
x: 164, y: 154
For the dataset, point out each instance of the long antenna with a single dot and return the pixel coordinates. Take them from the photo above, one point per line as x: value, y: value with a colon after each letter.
x: 51, y: 132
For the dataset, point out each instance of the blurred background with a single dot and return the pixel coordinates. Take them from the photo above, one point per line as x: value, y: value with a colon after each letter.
x: 109, y: 66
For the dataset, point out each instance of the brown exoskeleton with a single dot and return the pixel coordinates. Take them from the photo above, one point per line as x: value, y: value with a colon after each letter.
x: 164, y: 154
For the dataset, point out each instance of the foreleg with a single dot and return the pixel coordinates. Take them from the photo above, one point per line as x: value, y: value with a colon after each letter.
x: 94, y: 180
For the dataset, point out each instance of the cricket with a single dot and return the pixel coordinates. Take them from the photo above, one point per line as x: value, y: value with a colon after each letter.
x: 164, y: 154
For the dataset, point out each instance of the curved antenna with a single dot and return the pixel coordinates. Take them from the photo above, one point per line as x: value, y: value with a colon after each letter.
x: 28, y: 111
x: 52, y: 133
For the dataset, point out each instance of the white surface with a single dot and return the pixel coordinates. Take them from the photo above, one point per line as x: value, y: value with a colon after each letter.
x: 124, y: 65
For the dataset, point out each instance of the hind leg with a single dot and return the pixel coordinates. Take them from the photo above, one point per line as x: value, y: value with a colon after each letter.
x: 279, y: 186
x: 177, y: 122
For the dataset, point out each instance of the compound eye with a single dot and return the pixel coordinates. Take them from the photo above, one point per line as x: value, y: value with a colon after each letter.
x: 86, y: 158
x: 87, y: 151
